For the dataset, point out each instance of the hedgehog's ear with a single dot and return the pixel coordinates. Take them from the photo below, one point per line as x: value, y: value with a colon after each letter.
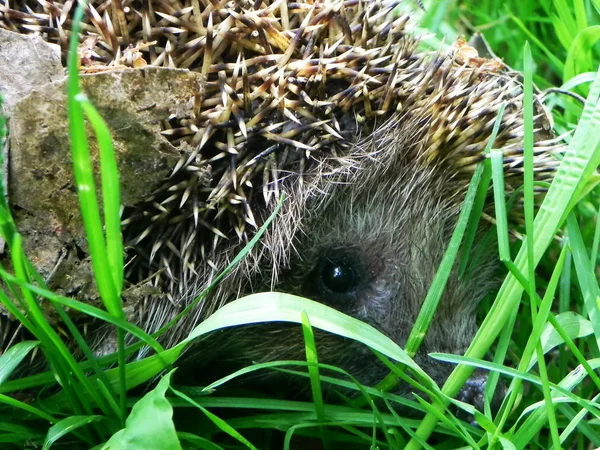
x: 480, y: 43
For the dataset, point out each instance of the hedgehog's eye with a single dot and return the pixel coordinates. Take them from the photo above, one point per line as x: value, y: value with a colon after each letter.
x: 338, y: 277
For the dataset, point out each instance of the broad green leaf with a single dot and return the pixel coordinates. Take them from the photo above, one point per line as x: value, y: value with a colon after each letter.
x: 149, y: 425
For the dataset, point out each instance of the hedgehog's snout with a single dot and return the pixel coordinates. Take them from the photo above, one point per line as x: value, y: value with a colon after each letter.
x: 473, y: 390
x: 473, y: 393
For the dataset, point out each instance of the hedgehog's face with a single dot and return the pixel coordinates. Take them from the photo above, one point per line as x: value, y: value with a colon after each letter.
x: 373, y: 257
x: 371, y: 251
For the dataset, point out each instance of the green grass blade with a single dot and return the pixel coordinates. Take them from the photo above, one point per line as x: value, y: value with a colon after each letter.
x: 220, y: 423
x: 528, y: 168
x: 565, y: 19
x: 84, y: 177
x: 438, y: 284
x: 89, y: 310
x: 66, y: 426
x: 479, y: 203
x: 55, y: 350
x: 497, y: 161
x: 12, y: 357
x: 571, y: 324
x: 564, y: 387
x: 586, y: 276
x: 528, y: 186
x: 5, y: 399
x: 435, y: 292
x: 556, y: 63
x: 313, y: 370
x: 111, y: 195
x: 579, y: 57
x: 108, y: 277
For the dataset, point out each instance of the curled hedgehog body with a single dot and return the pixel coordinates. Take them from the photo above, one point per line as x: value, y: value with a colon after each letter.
x: 372, y: 140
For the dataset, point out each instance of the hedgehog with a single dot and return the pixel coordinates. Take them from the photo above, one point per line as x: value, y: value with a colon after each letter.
x: 372, y: 139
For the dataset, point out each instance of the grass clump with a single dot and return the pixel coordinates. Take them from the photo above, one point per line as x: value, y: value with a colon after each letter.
x: 546, y: 350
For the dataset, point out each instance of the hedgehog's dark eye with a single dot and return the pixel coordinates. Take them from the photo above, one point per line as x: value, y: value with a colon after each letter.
x: 338, y: 277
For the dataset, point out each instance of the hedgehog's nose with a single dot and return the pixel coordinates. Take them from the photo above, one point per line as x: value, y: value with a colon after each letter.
x: 473, y: 394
